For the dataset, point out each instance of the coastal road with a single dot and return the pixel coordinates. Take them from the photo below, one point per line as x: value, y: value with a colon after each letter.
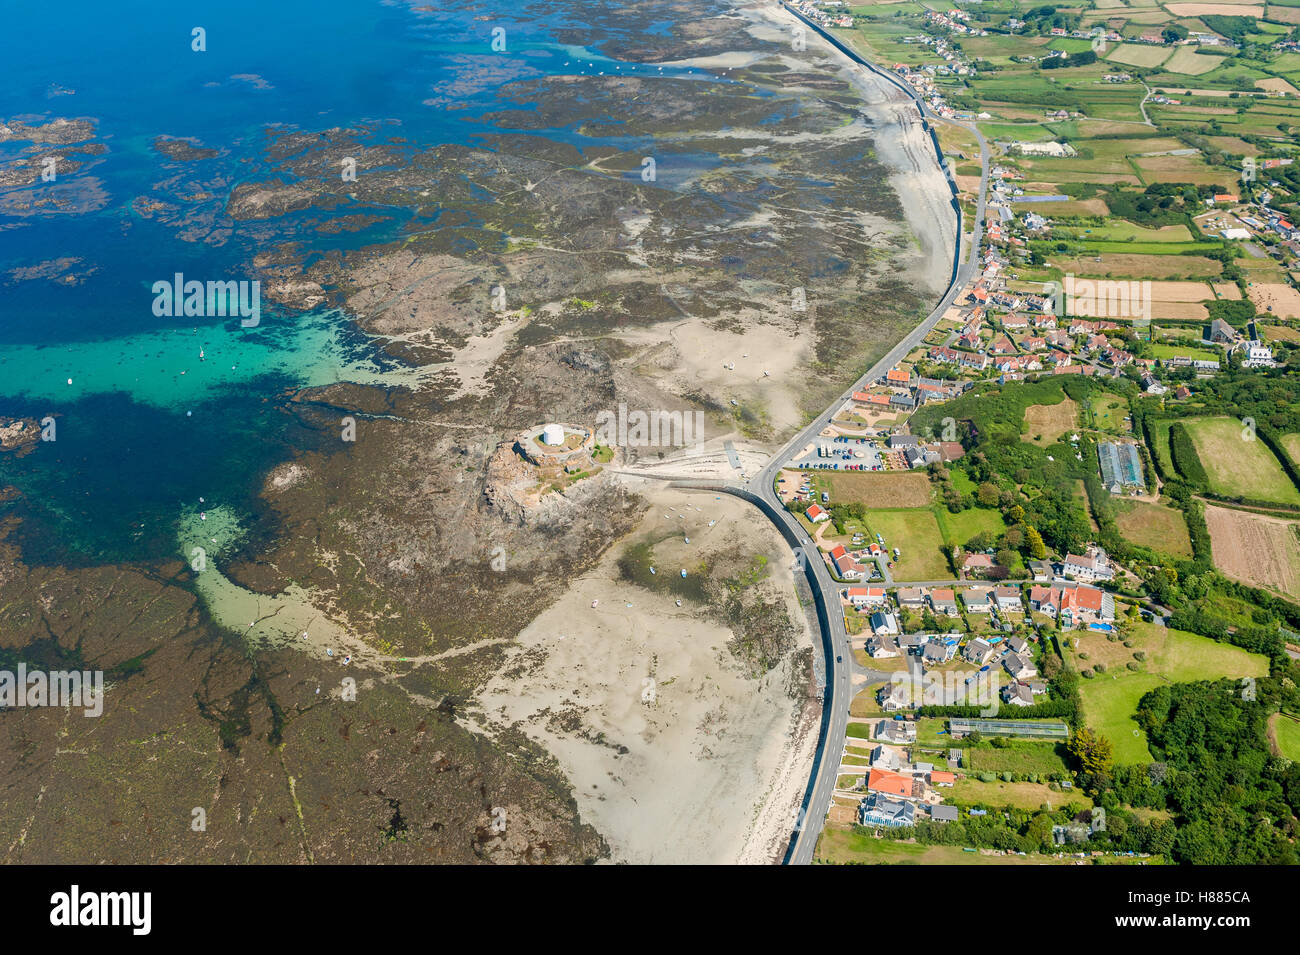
x: 761, y: 487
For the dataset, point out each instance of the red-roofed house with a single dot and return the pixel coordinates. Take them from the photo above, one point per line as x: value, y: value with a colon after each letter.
x: 890, y: 783
x: 845, y: 565
x: 866, y: 596
x: 817, y: 513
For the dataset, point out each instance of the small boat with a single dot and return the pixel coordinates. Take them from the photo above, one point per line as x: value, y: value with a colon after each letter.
x: 683, y: 572
x: 593, y: 604
x: 679, y: 603
x: 688, y: 540
x: 652, y: 570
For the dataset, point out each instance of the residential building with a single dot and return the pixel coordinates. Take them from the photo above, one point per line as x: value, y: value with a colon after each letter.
x: 1094, y: 565
x: 943, y: 600
x: 1020, y: 667
x: 884, y: 623
x: 888, y: 783
x: 1008, y: 599
x: 943, y: 813
x: 899, y: 732
x: 912, y: 597
x: 978, y: 651
x: 1017, y: 694
x: 877, y: 810
x: 977, y: 599
x: 865, y: 596
x: 885, y: 757
x: 881, y: 647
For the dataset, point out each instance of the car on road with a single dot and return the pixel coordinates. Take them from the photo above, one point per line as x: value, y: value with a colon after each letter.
x: 839, y: 659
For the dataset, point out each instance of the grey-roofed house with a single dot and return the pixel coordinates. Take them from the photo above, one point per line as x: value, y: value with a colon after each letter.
x: 1019, y: 666
x: 897, y: 442
x: 882, y: 757
x: 877, y: 810
x: 943, y: 813
x: 881, y: 647
x: 935, y: 652
x: 911, y: 597
x: 1017, y: 694
x: 896, y: 731
x: 978, y: 651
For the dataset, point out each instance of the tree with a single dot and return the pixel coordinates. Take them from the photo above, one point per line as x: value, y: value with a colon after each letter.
x: 987, y: 494
x: 1037, y: 549
x: 1093, y: 751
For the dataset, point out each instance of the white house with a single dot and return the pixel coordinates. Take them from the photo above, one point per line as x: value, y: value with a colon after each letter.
x: 865, y: 596
x: 1093, y: 565
x: 977, y: 599
x: 884, y: 623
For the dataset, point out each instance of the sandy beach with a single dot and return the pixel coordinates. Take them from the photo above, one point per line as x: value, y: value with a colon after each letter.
x: 675, y: 754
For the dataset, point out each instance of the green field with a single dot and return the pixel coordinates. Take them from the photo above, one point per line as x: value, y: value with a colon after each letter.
x: 1237, y: 467
x: 960, y: 527
x: 1108, y: 412
x: 915, y: 532
x: 1287, y: 732
x: 1160, y: 445
x: 1110, y: 699
x: 1153, y: 525
x: 969, y: 791
x: 841, y: 844
x: 1121, y: 230
x: 1016, y: 757
x: 1163, y: 351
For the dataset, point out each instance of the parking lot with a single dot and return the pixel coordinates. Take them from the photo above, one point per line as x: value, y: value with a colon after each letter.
x: 841, y: 454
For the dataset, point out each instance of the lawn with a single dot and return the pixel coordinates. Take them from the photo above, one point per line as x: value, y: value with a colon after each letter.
x: 1286, y: 731
x: 1108, y: 413
x: 1239, y: 467
x: 865, y: 704
x: 915, y: 532
x: 843, y: 844
x: 970, y: 792
x: 1153, y: 525
x: 1110, y: 699
x: 1160, y: 445
x: 960, y: 527
x: 1016, y: 757
x: 1163, y: 351
x: 1291, y: 445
